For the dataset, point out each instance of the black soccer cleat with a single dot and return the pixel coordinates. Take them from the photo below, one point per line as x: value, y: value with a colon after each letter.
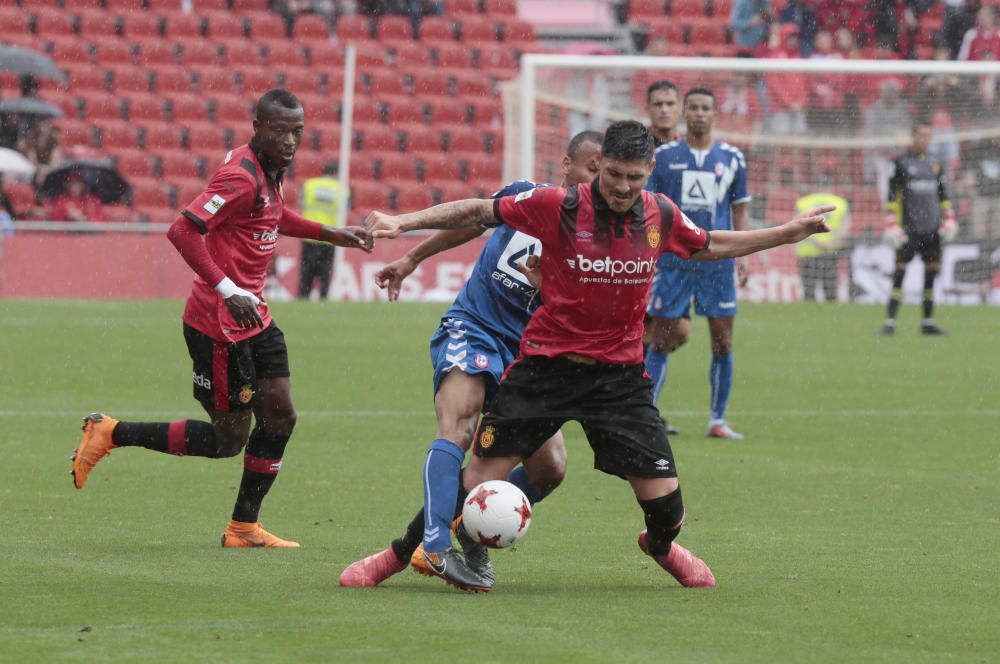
x: 671, y: 429
x: 449, y: 566
x: 932, y: 330
x: 887, y: 330
x: 477, y: 555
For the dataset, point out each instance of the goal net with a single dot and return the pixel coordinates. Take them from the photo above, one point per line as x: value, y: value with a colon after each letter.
x: 806, y: 127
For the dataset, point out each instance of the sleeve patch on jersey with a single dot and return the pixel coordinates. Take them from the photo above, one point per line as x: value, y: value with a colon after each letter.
x: 524, y: 195
x: 214, y: 204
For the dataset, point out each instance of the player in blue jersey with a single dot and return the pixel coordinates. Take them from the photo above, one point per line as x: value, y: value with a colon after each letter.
x: 708, y: 180
x: 479, y: 336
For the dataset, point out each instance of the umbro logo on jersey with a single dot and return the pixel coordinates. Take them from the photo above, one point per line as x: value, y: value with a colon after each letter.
x: 584, y: 236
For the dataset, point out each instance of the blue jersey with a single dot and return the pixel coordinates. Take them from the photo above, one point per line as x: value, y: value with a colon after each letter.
x: 497, y: 295
x: 704, y: 183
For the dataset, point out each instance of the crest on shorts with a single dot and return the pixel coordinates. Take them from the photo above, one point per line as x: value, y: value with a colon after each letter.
x: 653, y: 236
x: 481, y: 361
x: 487, y: 437
x: 246, y: 394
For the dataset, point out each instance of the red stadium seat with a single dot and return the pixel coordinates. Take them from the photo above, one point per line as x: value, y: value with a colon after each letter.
x: 478, y: 30
x: 239, y: 52
x: 216, y: 81
x: 412, y: 54
x: 94, y: 22
x: 706, y: 32
x: 496, y: 56
x: 162, y: 136
x: 465, y: 139
x: 21, y: 195
x: 64, y: 49
x: 184, y: 108
x: 149, y: 192
x: 198, y: 54
x: 265, y: 25
x: 251, y: 5
x: 385, y: 81
x: 255, y: 82
x: 178, y: 164
x: 111, y: 50
x: 643, y: 10
x: 485, y: 112
x: 453, y: 55
x: 301, y: 80
x: 311, y: 164
x: 518, y: 31
x: 377, y: 138
x: 354, y: 27
x: 367, y: 196
x: 446, y: 112
x: 52, y: 21
x: 154, y: 51
x: 123, y: 6
x: 687, y: 8
x: 404, y: 110
x: 128, y: 78
x: 366, y: 111
x: 136, y: 24
x: 323, y: 136
x: 725, y: 7
x: 101, y: 106
x: 320, y: 109
x: 74, y: 132
x: 413, y: 197
x: 449, y: 190
x: 394, y: 28
x: 423, y: 139
x: 13, y: 21
x: 474, y: 84
x: 224, y: 25
x: 86, y: 78
x: 441, y: 167
x: 437, y: 29
x: 171, y: 78
x: 116, y: 134
x: 371, y: 55
x: 482, y: 167
x: 154, y: 214
x: 232, y: 109
x: 430, y: 83
x: 207, y: 137
x: 326, y: 54
x: 186, y: 28
x: 186, y: 190
x: 166, y: 6
x: 143, y: 107
x: 453, y: 7
x: 284, y: 53
x: 395, y: 167
x: 312, y: 26
x: 501, y: 7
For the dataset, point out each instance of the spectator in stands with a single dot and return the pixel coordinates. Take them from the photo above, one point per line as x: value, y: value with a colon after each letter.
x: 955, y: 94
x: 749, y: 20
x: 986, y: 206
x: 887, y: 118
x: 8, y: 131
x: 76, y: 203
x: 964, y: 196
x: 847, y: 45
x: 826, y: 91
x: 7, y: 214
x: 415, y: 9
x: 834, y: 15
x: 983, y: 43
x: 739, y: 104
x: 803, y: 15
x: 290, y: 9
x: 959, y: 18
x: 882, y: 25
x: 786, y: 92
x: 41, y: 147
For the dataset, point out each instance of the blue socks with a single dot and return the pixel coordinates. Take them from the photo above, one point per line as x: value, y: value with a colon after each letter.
x: 656, y: 367
x: 519, y: 478
x: 441, y: 473
x: 720, y: 377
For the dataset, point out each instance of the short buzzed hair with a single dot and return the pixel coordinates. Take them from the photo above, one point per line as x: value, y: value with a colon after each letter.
x: 277, y: 97
x: 661, y: 85
x: 627, y: 140
x: 577, y: 141
x: 700, y: 91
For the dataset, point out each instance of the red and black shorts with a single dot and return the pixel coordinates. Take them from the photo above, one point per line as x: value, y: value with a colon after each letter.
x: 613, y: 403
x: 225, y: 374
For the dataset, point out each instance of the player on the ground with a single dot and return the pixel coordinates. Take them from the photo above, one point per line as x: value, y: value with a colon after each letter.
x: 240, y: 359
x: 475, y: 343
x: 708, y: 180
x: 581, y: 353
x: 663, y: 106
x: 919, y: 216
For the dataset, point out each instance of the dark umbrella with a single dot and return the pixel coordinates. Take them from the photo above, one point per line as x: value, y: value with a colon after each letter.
x: 22, y: 61
x: 100, y: 177
x: 30, y: 106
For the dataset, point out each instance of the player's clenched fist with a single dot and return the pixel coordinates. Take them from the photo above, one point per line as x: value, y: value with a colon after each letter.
x: 391, y: 276
x: 354, y: 237
x: 381, y: 225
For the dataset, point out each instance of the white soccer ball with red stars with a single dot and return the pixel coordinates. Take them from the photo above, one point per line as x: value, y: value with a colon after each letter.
x: 497, y: 514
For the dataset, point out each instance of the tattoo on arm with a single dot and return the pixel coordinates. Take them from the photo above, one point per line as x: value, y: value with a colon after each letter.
x: 469, y: 213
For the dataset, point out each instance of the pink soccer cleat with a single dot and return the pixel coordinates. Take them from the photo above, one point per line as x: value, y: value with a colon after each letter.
x: 722, y: 430
x: 689, y: 570
x: 371, y: 571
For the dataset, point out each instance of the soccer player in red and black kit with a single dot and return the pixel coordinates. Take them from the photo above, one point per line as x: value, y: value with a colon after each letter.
x: 581, y: 354
x: 239, y: 354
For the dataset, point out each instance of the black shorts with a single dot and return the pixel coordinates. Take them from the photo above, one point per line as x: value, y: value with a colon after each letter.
x: 928, y: 245
x: 613, y: 403
x: 225, y: 374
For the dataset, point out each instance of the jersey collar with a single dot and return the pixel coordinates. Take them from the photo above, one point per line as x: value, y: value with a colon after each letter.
x: 601, y: 205
x: 265, y: 164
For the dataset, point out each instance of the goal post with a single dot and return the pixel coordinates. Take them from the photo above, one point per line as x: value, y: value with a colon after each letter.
x: 806, y: 126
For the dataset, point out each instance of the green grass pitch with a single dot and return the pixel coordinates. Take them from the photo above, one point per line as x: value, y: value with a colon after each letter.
x: 859, y: 521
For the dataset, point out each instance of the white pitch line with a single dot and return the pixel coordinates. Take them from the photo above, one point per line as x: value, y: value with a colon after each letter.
x: 429, y: 412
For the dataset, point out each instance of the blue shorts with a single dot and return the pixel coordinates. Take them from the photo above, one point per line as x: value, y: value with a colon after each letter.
x: 712, y: 285
x: 470, y: 348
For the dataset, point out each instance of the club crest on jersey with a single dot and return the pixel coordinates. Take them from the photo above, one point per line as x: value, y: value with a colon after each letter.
x: 481, y: 361
x: 524, y: 195
x: 653, y: 236
x: 719, y: 169
x: 246, y: 394
x: 487, y: 438
x: 214, y: 204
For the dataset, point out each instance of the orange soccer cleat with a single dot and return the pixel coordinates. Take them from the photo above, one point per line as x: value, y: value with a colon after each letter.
x: 689, y: 570
x: 373, y: 570
x: 94, y: 446
x: 242, y: 534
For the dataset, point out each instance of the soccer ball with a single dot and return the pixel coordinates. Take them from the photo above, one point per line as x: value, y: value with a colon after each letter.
x: 497, y: 514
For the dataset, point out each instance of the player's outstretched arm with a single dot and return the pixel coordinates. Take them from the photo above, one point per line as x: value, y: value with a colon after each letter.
x: 470, y: 213
x: 733, y: 244
x: 294, y: 224
x: 392, y: 275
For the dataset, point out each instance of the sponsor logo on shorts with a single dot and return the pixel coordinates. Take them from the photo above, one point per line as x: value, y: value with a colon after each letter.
x: 246, y: 394
x: 214, y: 204
x: 653, y: 236
x: 481, y: 361
x: 727, y: 305
x: 201, y: 381
x: 662, y: 464
x: 524, y: 195
x: 678, y: 167
x: 487, y: 438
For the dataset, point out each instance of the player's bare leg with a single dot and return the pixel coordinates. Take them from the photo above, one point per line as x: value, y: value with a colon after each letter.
x: 720, y: 377
x: 275, y: 421
x: 664, y: 336
x: 663, y: 509
x: 546, y: 468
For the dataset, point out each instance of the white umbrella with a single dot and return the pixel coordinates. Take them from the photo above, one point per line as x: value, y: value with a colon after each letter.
x: 15, y: 163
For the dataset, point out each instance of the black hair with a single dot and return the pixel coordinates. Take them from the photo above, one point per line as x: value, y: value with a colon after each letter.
x: 627, y: 140
x: 331, y: 168
x: 577, y: 141
x: 661, y: 85
x: 700, y: 91
x: 277, y: 97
